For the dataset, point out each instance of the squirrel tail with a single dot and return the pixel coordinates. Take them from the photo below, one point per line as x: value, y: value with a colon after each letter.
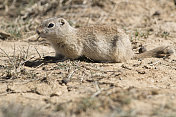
x: 159, y: 52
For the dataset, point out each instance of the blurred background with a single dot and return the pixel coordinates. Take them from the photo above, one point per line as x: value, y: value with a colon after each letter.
x: 20, y: 17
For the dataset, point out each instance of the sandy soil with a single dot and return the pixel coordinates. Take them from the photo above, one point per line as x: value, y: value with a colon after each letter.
x: 32, y: 85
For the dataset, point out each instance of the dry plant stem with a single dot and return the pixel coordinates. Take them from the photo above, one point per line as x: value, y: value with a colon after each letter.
x: 97, y: 85
x: 82, y: 77
x: 98, y: 90
x: 48, y: 75
x: 68, y: 2
x: 96, y: 93
x: 90, y: 16
x: 69, y: 76
x: 14, y: 59
x: 27, y: 52
x: 38, y: 52
x: 10, y: 61
x: 13, y: 3
x: 6, y: 6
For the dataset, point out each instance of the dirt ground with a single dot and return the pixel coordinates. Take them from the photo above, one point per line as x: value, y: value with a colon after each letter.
x: 33, y: 85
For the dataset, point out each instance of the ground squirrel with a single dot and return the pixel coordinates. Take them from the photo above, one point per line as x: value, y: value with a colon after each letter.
x: 97, y: 42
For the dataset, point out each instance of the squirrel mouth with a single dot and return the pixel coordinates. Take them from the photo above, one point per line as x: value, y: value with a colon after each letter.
x: 40, y: 34
x: 38, y: 38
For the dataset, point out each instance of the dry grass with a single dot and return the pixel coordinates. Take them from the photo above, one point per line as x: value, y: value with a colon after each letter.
x: 18, y: 110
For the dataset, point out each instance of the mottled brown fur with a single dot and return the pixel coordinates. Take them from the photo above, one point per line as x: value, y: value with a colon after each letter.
x: 97, y: 42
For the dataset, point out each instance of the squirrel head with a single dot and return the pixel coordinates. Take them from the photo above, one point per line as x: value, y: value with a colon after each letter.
x: 53, y: 28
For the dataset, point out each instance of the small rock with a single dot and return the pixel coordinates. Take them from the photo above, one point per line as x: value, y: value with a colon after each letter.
x: 142, y: 49
x: 4, y: 35
x: 157, y: 13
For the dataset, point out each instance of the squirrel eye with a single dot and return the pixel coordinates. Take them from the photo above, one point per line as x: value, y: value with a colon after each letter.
x: 50, y: 25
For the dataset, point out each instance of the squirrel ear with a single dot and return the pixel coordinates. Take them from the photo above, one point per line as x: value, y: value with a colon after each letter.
x: 61, y: 22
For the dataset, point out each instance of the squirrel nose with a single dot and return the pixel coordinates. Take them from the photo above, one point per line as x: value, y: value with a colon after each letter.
x: 38, y: 32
